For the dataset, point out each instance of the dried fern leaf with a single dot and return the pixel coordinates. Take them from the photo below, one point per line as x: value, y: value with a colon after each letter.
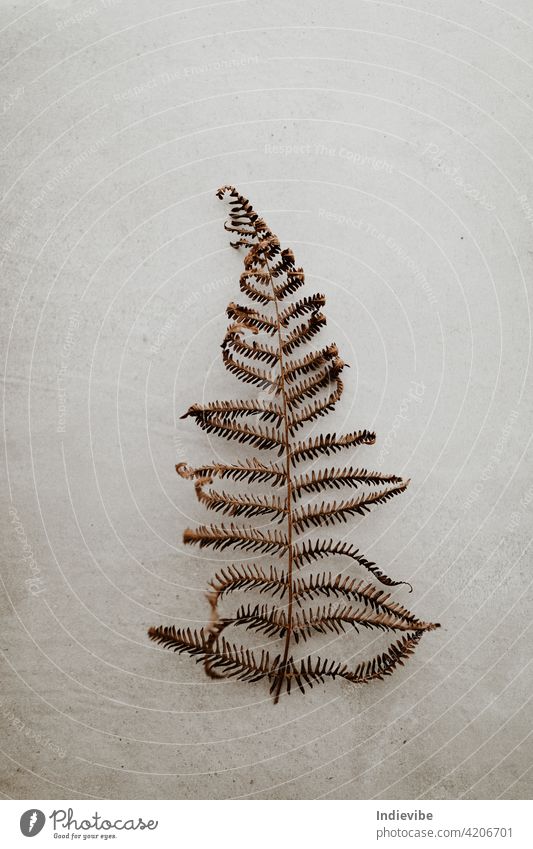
x: 265, y: 347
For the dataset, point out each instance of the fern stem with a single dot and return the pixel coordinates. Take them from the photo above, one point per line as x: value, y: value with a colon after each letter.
x: 287, y: 446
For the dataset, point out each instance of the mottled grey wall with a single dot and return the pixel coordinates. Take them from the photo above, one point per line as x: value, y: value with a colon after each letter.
x: 389, y: 143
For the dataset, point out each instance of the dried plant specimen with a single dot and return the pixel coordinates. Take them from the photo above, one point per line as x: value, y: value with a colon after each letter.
x: 266, y: 345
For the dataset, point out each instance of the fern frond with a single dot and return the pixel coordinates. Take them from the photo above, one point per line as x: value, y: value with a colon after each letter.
x: 310, y: 362
x: 243, y: 219
x: 377, y: 668
x: 253, y: 470
x: 336, y: 478
x: 273, y: 622
x: 358, y: 590
x: 310, y: 551
x: 267, y: 620
x: 248, y: 539
x: 303, y: 333
x: 329, y: 513
x: 310, y: 304
x: 310, y: 386
x: 255, y: 351
x: 248, y: 577
x: 337, y: 618
x: 222, y: 657
x: 250, y: 318
x: 384, y: 664
x: 284, y: 266
x: 233, y: 409
x: 313, y: 411
x: 308, y: 449
x: 251, y: 374
x: 263, y: 254
x: 180, y: 639
x: 294, y: 279
x: 316, y: 670
x: 255, y: 294
x: 251, y: 434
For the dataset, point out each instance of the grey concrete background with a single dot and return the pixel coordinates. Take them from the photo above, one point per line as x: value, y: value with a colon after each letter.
x: 389, y: 143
